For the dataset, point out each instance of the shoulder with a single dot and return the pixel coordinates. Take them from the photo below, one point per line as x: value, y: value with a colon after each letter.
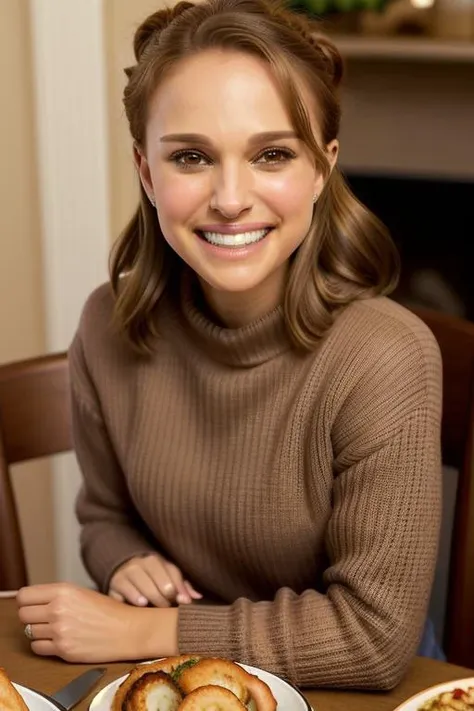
x: 383, y: 359
x: 97, y: 335
x: 98, y: 347
x: 384, y: 313
x: 97, y: 312
x: 391, y: 374
x: 383, y: 332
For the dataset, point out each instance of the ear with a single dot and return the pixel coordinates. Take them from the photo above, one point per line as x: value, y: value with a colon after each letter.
x: 332, y: 153
x: 143, y: 170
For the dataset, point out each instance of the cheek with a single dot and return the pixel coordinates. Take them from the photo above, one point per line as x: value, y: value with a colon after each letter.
x: 178, y: 196
x: 290, y: 195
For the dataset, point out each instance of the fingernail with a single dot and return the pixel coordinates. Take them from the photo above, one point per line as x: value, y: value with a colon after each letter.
x: 142, y: 600
x: 183, y: 599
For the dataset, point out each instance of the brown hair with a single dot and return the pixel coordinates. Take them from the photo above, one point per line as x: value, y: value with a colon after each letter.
x: 347, y: 253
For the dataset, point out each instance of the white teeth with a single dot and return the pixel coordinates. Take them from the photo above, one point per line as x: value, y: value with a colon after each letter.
x: 238, y: 240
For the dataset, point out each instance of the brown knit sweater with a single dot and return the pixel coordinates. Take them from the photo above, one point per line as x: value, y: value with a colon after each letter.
x: 303, y: 491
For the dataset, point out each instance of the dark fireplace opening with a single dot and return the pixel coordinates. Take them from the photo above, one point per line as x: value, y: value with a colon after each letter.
x: 432, y: 224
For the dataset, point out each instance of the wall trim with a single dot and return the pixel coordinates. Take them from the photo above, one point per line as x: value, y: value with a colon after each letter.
x: 71, y: 122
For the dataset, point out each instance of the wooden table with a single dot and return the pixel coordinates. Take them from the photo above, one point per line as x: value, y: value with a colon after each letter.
x: 48, y: 675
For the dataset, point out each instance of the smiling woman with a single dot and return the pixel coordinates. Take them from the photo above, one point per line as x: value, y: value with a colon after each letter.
x: 269, y: 152
x: 256, y: 424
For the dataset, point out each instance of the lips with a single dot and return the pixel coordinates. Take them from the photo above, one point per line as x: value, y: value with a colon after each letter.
x: 234, y: 228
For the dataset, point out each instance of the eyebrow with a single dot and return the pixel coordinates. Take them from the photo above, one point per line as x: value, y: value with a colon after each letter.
x: 199, y: 139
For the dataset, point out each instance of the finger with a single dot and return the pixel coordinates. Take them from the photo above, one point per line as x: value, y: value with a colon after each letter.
x: 44, y: 647
x: 182, y: 593
x: 182, y: 599
x: 151, y: 581
x: 116, y: 595
x: 41, y: 631
x: 192, y: 592
x: 33, y: 614
x: 129, y: 592
x: 39, y: 594
x: 157, y: 570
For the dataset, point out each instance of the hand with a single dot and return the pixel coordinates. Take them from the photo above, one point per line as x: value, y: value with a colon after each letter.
x: 84, y: 626
x: 151, y: 579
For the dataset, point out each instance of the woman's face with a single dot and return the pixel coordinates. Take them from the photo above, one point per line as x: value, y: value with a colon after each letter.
x: 234, y: 187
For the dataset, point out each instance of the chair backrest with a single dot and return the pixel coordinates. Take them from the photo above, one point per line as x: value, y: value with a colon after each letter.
x: 35, y: 421
x: 456, y: 341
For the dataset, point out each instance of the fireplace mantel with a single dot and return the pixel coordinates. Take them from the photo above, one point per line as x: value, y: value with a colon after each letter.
x: 405, y: 49
x: 408, y: 108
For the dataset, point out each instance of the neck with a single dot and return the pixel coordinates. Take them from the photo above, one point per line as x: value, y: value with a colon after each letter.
x: 236, y: 309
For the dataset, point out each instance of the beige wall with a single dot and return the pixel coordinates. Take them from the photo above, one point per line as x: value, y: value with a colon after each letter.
x: 122, y: 17
x: 22, y: 317
x: 21, y: 310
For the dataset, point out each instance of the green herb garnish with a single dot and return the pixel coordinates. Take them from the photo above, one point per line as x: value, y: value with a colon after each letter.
x: 177, y: 671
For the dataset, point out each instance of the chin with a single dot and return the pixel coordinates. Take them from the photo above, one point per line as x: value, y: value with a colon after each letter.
x: 234, y: 285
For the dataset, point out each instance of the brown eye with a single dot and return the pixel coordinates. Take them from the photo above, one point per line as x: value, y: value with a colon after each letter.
x: 274, y: 156
x: 189, y: 159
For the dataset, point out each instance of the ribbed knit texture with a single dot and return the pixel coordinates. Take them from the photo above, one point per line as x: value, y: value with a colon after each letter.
x: 303, y: 491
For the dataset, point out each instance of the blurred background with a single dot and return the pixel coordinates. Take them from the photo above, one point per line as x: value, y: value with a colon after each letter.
x: 67, y: 186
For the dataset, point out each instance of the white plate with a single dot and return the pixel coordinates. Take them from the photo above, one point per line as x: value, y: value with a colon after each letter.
x: 34, y: 700
x: 288, y: 697
x: 415, y: 702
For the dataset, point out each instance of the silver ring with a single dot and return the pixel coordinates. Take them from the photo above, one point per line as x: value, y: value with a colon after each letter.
x: 28, y: 631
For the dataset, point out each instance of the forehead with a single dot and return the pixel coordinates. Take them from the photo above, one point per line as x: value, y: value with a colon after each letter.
x: 220, y: 93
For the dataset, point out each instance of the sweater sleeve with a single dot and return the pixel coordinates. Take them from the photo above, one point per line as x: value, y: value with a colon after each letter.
x: 111, y: 531
x: 381, y: 539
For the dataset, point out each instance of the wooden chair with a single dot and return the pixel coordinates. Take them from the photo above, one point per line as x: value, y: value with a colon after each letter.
x: 35, y: 421
x: 456, y: 340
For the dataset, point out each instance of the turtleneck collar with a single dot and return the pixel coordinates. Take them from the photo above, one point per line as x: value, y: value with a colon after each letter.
x: 246, y: 347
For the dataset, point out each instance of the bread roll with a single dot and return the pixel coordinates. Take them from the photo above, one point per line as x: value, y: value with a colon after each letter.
x: 211, y: 698
x: 153, y: 690
x: 10, y: 699
x: 166, y: 665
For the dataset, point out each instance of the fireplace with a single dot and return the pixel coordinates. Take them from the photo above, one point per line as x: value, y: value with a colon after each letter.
x: 432, y: 223
x: 407, y: 150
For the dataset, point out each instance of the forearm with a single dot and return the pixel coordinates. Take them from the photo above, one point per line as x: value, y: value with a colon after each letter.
x: 155, y: 632
x: 311, y: 639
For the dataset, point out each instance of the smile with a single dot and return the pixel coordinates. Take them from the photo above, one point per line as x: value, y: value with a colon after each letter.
x: 241, y: 239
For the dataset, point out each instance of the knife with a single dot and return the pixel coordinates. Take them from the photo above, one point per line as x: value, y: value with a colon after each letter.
x: 78, y: 688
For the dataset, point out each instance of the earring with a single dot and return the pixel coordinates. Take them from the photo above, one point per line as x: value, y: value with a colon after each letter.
x: 152, y: 200
x: 315, y: 197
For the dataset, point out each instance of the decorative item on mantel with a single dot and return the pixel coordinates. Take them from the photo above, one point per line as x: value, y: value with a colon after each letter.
x: 341, y: 15
x: 445, y: 19
x: 454, y: 19
x: 402, y: 18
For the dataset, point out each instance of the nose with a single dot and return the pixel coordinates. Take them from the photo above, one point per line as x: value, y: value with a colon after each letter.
x: 231, y: 192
